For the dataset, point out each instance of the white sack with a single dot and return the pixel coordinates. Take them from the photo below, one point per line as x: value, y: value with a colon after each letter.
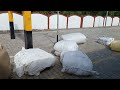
x: 32, y: 61
x: 105, y: 40
x: 76, y: 62
x: 65, y: 45
x: 77, y: 37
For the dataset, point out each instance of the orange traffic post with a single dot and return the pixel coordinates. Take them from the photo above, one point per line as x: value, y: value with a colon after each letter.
x: 10, y: 14
x: 27, y: 29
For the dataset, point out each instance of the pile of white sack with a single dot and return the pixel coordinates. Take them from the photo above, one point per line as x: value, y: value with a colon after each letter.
x: 73, y: 60
x: 69, y: 42
x: 32, y: 61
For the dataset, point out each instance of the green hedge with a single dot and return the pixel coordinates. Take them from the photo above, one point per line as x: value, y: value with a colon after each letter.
x: 96, y: 13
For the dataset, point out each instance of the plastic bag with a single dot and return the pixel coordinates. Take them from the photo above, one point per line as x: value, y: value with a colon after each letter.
x: 115, y: 45
x: 105, y: 40
x: 77, y: 37
x: 65, y: 45
x: 76, y: 62
x: 32, y: 61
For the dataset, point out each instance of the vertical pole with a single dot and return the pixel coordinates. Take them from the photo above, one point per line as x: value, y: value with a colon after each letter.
x: 57, y: 24
x: 94, y: 21
x: 112, y: 20
x: 106, y: 18
x: 67, y: 23
x: 12, y: 34
x: 103, y: 21
x: 27, y: 29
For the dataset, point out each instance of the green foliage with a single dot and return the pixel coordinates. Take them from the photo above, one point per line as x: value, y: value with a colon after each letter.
x: 94, y: 13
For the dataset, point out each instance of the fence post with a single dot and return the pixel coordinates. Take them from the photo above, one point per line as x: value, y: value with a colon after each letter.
x: 112, y: 20
x: 106, y: 18
x: 104, y: 22
x: 119, y: 22
x: 81, y: 24
x: 67, y: 23
x: 48, y: 22
x: 94, y: 21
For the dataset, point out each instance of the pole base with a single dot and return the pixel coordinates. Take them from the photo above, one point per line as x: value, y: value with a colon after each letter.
x: 28, y: 39
x: 12, y: 33
x: 57, y: 38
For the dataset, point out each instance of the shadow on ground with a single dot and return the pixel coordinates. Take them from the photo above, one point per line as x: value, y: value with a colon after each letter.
x: 106, y: 62
x: 20, y: 35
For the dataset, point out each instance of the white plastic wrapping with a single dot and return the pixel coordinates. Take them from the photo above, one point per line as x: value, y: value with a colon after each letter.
x: 76, y: 62
x: 65, y: 45
x: 105, y: 40
x: 32, y: 61
x: 77, y: 37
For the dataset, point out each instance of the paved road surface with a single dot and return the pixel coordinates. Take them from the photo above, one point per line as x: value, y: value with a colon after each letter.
x: 105, y: 61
